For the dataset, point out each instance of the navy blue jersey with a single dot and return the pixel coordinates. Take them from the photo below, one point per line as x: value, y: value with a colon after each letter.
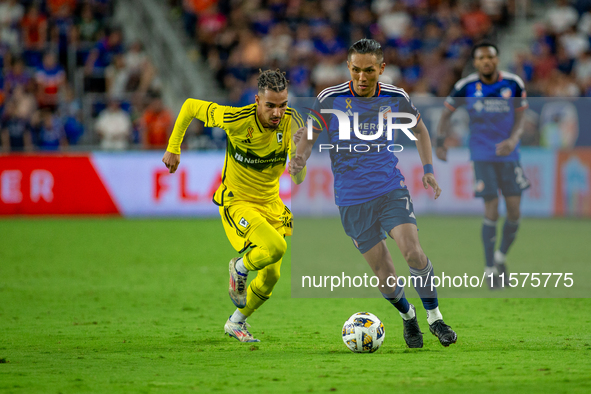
x: 492, y: 112
x: 363, y: 170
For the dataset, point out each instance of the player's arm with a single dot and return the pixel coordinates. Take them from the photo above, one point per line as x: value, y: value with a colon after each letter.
x: 302, y: 154
x: 301, y: 174
x: 191, y: 108
x: 442, y: 132
x: 507, y: 146
x: 425, y: 152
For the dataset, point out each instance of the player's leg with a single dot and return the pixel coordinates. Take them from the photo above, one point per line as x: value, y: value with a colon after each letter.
x: 513, y: 182
x: 265, y: 258
x: 380, y: 261
x: 362, y: 225
x: 487, y: 186
x: 397, y: 215
x: 421, y: 270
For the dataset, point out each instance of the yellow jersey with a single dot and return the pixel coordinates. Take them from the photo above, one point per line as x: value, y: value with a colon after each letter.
x: 255, y: 156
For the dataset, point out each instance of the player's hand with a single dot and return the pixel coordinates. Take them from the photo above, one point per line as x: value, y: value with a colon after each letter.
x: 172, y: 161
x: 296, y: 165
x: 429, y: 180
x: 298, y: 135
x: 505, y: 147
x: 441, y: 153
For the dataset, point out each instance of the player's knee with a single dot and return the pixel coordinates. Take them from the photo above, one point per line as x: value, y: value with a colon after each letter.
x: 413, y: 255
x: 277, y: 249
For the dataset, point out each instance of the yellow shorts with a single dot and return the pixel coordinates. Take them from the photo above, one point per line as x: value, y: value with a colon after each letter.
x: 241, y: 218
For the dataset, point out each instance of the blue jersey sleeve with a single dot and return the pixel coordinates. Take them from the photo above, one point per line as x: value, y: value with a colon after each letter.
x: 456, y: 98
x: 520, y: 102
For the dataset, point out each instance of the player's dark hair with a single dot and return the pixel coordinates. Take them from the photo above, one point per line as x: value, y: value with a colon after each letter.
x: 484, y: 44
x: 366, y: 45
x: 272, y: 80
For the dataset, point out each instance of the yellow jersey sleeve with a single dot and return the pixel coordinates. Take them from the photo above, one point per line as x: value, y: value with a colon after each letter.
x: 296, y: 123
x: 211, y: 114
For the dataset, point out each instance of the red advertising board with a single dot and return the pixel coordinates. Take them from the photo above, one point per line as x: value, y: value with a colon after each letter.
x: 52, y: 184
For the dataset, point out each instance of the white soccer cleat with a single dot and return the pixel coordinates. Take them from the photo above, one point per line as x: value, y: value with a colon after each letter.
x: 239, y: 331
x: 500, y: 259
x: 237, y: 287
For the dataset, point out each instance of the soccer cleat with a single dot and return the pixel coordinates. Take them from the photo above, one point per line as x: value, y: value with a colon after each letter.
x: 500, y: 260
x: 412, y: 333
x: 446, y: 335
x: 239, y: 331
x: 237, y: 288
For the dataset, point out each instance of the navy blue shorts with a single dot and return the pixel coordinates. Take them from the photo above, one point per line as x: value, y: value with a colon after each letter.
x: 490, y: 176
x: 368, y: 223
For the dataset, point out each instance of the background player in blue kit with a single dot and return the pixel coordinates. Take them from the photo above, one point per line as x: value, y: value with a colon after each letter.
x: 495, y: 101
x: 369, y: 189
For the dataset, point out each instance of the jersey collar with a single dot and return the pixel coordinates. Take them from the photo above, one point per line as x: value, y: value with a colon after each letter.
x: 354, y: 93
x: 499, y: 79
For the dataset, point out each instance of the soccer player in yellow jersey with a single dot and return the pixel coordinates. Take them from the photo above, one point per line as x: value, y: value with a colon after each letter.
x: 260, y: 137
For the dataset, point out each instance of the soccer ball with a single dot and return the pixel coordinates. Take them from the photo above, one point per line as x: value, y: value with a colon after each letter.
x: 363, y: 333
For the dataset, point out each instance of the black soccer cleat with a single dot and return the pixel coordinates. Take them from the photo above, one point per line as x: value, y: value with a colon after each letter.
x: 446, y: 335
x: 412, y: 333
x: 502, y: 269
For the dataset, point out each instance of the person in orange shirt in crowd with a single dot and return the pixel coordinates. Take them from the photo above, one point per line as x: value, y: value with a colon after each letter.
x: 156, y: 124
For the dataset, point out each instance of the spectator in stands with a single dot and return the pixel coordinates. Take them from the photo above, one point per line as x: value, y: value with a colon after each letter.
x: 61, y: 31
x: 11, y: 14
x: 16, y: 76
x: 49, y: 130
x: 87, y: 27
x: 50, y: 78
x: 114, y: 127
x: 34, y: 33
x: 70, y: 111
x: 140, y: 69
x: 561, y: 17
x: 15, y: 132
x: 476, y: 23
x: 156, y: 124
x: 117, y: 77
x: 100, y: 57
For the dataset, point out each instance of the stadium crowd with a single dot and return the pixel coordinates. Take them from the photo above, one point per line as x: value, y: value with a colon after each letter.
x: 44, y: 43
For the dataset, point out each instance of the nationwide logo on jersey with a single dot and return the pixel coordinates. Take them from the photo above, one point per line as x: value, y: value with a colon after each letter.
x: 478, y: 90
x: 251, y: 160
x: 506, y: 93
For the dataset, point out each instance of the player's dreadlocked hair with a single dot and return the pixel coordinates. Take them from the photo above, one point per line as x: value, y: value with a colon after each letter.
x: 366, y: 45
x: 272, y: 80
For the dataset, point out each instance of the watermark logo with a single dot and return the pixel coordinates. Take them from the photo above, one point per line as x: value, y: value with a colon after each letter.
x: 386, y: 124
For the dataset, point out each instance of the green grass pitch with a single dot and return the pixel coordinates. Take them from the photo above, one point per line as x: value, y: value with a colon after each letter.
x: 138, y: 306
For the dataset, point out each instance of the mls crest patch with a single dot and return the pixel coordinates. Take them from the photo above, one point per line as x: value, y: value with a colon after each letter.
x: 279, y: 138
x: 384, y: 111
x: 243, y: 223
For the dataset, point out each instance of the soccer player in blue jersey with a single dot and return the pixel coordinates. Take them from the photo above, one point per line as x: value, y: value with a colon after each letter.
x: 495, y: 101
x: 369, y: 190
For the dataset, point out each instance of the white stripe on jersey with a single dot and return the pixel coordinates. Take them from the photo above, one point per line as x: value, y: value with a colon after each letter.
x: 392, y: 88
x: 462, y: 82
x: 343, y: 87
x: 512, y: 77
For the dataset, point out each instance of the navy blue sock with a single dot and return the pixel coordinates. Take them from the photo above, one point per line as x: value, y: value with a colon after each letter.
x: 398, y: 299
x: 509, y: 232
x: 489, y: 238
x: 422, y: 282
